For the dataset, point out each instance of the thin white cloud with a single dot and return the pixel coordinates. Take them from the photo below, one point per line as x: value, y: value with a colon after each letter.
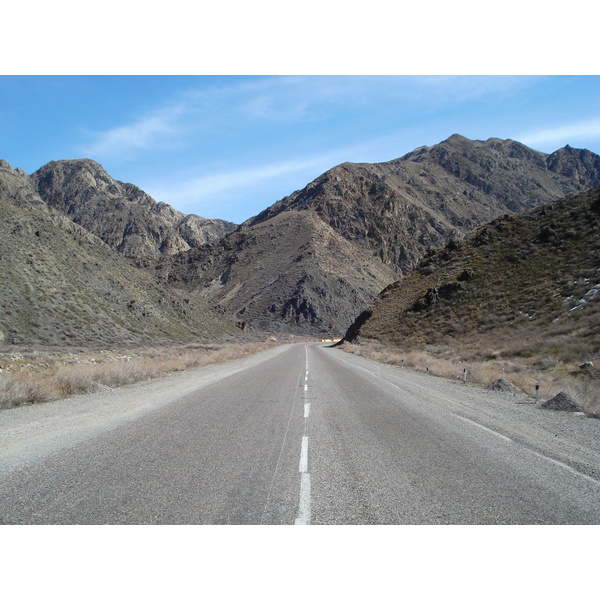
x: 275, y: 100
x: 157, y: 129
x: 194, y: 190
x: 301, y: 97
x: 570, y: 133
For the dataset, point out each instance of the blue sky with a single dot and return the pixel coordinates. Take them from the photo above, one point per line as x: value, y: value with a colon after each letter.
x: 229, y: 146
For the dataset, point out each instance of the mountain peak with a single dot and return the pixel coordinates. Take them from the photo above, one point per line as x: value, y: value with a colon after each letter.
x: 121, y: 214
x: 456, y: 137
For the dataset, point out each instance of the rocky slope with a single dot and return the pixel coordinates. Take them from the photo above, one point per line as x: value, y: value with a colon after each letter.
x: 292, y: 272
x: 524, y: 285
x: 121, y: 214
x: 323, y: 253
x: 63, y: 285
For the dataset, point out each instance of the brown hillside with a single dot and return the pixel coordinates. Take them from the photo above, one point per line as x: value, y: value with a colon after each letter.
x: 292, y: 272
x: 399, y: 209
x: 61, y: 285
x: 525, y: 286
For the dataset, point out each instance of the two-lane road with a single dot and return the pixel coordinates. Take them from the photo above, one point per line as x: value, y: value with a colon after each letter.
x: 301, y: 434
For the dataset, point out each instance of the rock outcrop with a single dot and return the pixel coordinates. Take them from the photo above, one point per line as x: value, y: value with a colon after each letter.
x: 121, y: 214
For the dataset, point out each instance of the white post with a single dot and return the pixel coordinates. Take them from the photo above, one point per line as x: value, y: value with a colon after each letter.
x: 464, y: 376
x: 537, y: 391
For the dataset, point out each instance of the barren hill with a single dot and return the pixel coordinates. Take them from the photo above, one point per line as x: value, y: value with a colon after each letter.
x: 398, y: 209
x: 323, y: 253
x: 524, y: 285
x: 292, y: 272
x: 63, y: 285
x: 121, y: 214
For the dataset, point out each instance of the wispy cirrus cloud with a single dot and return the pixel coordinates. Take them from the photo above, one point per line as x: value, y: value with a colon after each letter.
x: 566, y: 133
x: 157, y: 129
x: 276, y: 101
x: 193, y: 190
x: 203, y: 109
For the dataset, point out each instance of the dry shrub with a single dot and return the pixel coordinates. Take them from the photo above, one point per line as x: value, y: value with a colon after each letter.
x: 42, y: 384
x: 485, y: 374
x: 25, y: 388
x: 73, y: 379
x: 585, y: 391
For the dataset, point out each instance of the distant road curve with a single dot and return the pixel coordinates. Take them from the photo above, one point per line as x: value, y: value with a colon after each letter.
x: 300, y: 434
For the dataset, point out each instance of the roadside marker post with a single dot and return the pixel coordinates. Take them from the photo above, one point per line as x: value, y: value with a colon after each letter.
x: 537, y: 391
x: 464, y: 376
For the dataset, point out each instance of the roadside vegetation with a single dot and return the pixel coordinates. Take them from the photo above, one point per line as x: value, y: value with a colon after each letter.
x: 33, y: 376
x: 583, y: 385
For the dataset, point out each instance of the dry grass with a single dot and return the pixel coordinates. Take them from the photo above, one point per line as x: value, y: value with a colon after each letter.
x: 29, y: 378
x: 584, y: 390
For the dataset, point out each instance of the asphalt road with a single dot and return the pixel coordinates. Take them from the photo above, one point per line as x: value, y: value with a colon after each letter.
x: 302, y: 434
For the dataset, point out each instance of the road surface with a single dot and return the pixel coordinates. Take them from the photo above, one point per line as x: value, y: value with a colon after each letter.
x: 301, y: 434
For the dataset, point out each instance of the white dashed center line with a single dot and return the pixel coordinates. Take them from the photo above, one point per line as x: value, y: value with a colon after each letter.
x: 304, y: 507
x: 304, y: 455
x: 303, y: 517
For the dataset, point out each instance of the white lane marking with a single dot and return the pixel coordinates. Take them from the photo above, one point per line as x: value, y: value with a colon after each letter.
x: 552, y: 460
x: 400, y: 389
x: 304, y: 508
x: 560, y: 464
x: 507, y: 439
x: 304, y: 455
x: 304, y: 504
x: 285, y: 436
x: 565, y: 466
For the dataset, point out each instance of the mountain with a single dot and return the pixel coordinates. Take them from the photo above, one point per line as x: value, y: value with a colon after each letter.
x: 62, y: 285
x: 71, y: 236
x: 398, y: 208
x: 121, y: 214
x: 525, y: 285
x: 317, y: 258
x: 292, y: 272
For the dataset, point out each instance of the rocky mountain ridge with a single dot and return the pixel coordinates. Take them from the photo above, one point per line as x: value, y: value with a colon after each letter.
x: 308, y: 264
x: 121, y: 214
x: 419, y: 200
x: 380, y: 219
x: 285, y: 274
